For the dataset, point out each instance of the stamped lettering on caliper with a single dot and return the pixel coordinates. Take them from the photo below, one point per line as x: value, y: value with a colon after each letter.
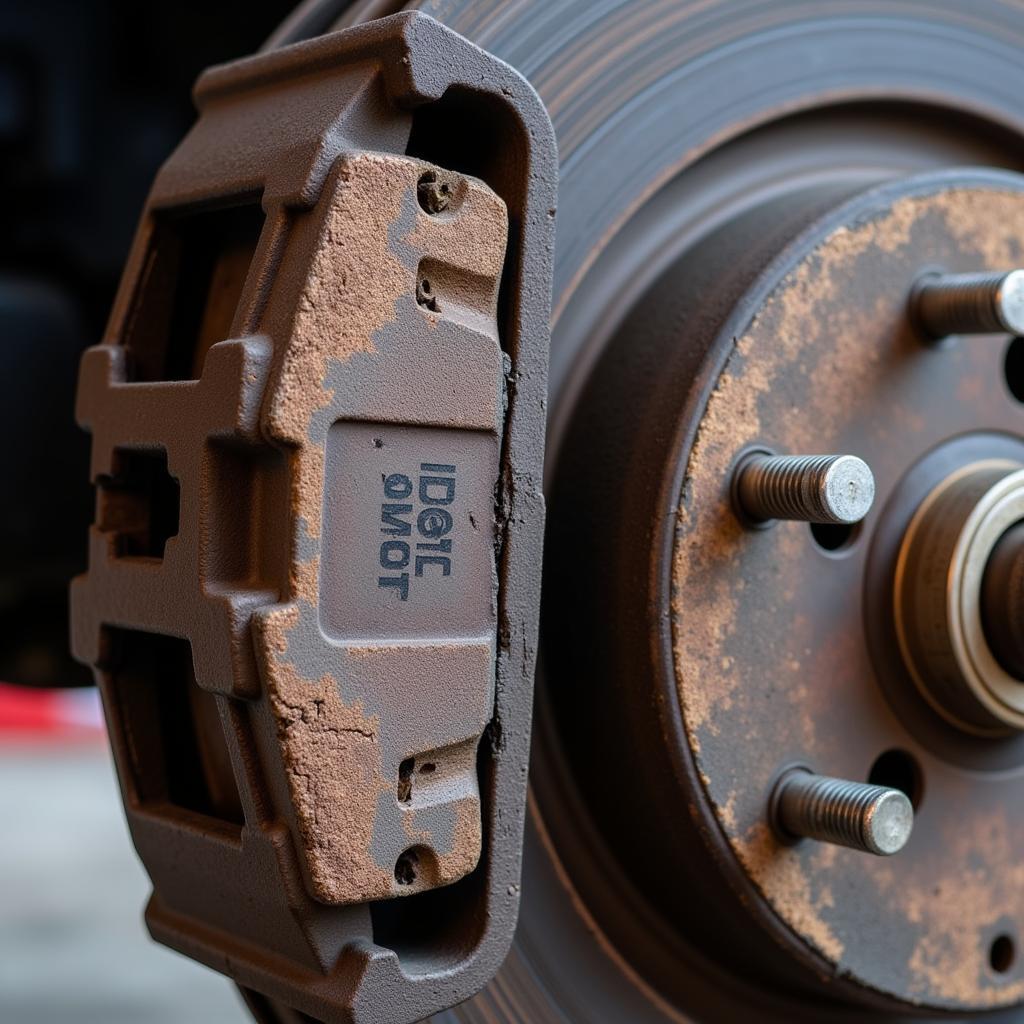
x: 408, y: 532
x: 416, y: 526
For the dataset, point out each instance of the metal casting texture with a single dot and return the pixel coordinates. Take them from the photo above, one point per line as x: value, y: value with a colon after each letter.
x: 333, y: 405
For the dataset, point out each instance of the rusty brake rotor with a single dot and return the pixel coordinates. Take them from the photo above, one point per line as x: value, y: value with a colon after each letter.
x: 851, y: 647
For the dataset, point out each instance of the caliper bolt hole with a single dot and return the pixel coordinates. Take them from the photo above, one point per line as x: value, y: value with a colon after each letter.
x: 425, y: 295
x: 433, y: 195
x: 405, y: 770
x: 417, y: 866
x: 407, y: 867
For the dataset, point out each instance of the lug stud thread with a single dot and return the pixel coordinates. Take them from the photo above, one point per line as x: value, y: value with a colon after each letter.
x: 873, y: 819
x: 986, y: 303
x: 813, y: 488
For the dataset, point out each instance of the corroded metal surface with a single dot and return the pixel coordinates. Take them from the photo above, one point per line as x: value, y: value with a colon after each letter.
x: 773, y: 664
x: 317, y: 440
x: 353, y: 699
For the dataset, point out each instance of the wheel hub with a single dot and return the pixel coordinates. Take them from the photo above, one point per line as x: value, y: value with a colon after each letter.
x: 793, y: 321
x: 943, y: 631
x: 828, y: 361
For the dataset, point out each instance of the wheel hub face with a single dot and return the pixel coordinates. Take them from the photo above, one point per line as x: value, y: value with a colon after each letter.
x: 771, y: 660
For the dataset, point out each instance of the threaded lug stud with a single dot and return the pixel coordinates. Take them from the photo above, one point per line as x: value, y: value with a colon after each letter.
x: 873, y: 819
x: 987, y: 303
x: 836, y: 489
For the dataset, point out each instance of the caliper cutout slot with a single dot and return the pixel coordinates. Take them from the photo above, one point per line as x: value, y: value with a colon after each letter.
x: 195, y: 267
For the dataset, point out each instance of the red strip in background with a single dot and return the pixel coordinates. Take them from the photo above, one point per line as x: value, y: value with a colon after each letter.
x: 27, y: 713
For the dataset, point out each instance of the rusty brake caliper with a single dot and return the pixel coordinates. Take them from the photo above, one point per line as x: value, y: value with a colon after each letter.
x: 311, y: 604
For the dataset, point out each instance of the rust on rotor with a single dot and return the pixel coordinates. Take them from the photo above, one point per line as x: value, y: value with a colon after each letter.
x: 773, y: 666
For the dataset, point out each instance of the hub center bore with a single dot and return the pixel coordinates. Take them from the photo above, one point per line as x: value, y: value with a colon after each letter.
x: 943, y: 624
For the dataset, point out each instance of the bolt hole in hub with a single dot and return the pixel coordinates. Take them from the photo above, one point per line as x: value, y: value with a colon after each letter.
x: 1013, y: 368
x: 896, y: 769
x: 834, y: 538
x: 1002, y: 953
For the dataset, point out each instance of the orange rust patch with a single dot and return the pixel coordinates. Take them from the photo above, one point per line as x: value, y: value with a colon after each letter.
x: 355, y: 278
x: 369, y: 242
x: 982, y: 884
x: 779, y: 871
x: 321, y: 739
x: 305, y: 579
x: 731, y: 420
x: 793, y: 381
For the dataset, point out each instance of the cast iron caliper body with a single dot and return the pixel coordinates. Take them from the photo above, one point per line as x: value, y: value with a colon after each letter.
x: 311, y: 604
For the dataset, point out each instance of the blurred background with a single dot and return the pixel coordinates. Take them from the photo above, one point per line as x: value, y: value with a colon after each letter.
x: 73, y: 947
x: 94, y: 94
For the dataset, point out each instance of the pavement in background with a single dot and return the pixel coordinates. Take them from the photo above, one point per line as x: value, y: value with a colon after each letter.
x: 73, y: 948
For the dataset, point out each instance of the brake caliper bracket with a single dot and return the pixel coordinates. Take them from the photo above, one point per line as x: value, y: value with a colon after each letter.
x: 312, y: 593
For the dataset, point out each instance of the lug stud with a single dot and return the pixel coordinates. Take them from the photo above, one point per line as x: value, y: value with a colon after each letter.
x: 987, y: 303
x: 874, y: 819
x: 813, y: 488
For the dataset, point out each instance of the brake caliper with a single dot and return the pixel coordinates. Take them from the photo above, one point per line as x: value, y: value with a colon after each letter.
x: 312, y: 594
